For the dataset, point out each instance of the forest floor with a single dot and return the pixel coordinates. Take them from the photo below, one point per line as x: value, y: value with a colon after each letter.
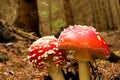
x: 15, y: 65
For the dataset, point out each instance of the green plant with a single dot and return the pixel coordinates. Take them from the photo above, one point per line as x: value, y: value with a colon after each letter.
x: 57, y: 24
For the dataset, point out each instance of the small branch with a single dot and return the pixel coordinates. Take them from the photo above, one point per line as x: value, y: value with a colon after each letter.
x: 22, y: 33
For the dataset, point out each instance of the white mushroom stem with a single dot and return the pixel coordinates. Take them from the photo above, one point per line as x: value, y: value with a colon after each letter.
x: 55, y: 71
x: 84, y: 70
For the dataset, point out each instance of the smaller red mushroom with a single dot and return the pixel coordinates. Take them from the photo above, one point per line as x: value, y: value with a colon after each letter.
x: 44, y: 52
x: 86, y: 43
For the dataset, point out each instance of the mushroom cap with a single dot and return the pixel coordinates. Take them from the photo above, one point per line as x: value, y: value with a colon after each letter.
x: 80, y: 37
x: 43, y: 48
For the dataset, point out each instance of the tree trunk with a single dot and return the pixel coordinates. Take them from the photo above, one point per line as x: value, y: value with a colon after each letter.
x: 82, y: 12
x: 106, y: 14
x: 28, y: 16
x: 8, y: 10
x: 101, y: 14
x: 68, y: 13
x: 51, y: 15
x: 43, y: 12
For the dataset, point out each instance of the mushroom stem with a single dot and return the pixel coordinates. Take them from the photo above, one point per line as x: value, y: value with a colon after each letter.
x: 55, y: 72
x: 84, y: 73
x: 83, y: 57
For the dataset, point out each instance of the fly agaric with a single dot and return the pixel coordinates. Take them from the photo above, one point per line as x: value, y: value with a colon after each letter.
x: 86, y: 43
x: 42, y: 54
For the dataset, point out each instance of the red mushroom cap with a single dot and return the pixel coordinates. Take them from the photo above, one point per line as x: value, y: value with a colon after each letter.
x: 41, y: 49
x: 84, y: 38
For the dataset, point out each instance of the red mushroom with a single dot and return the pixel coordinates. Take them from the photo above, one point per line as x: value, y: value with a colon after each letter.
x: 42, y: 54
x: 87, y: 43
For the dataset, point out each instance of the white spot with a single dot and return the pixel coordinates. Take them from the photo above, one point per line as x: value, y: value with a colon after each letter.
x: 104, y: 42
x: 29, y: 63
x: 42, y: 62
x: 40, y: 47
x: 48, y: 46
x: 30, y: 49
x: 42, y: 56
x: 39, y: 63
x: 40, y: 51
x: 75, y: 25
x: 55, y: 49
x: 80, y: 32
x: 36, y: 47
x: 60, y: 53
x: 32, y: 61
x: 57, y: 65
x: 55, y: 58
x: 45, y: 67
x: 50, y: 52
x: 71, y: 26
x: 60, y: 56
x: 64, y: 29
x: 33, y: 55
x: 55, y: 43
x: 45, y: 46
x: 62, y: 40
x: 99, y: 38
x: 45, y: 55
x: 39, y: 57
x: 28, y: 57
x: 35, y: 61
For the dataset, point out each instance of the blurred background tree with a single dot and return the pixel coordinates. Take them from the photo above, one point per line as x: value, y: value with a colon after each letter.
x: 51, y: 15
x: 47, y: 17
